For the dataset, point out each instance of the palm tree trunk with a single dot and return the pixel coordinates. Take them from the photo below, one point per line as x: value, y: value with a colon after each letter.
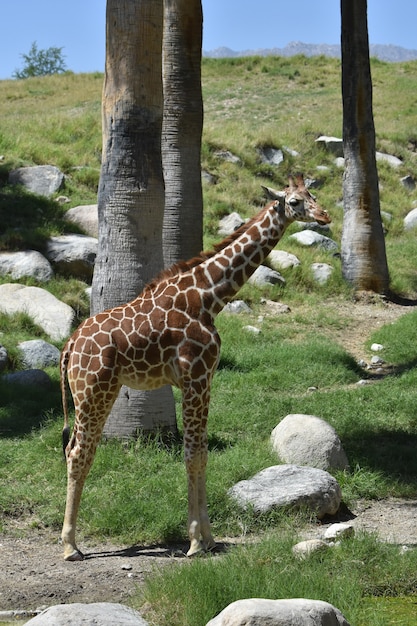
x: 131, y: 189
x: 364, y: 262
x: 182, y: 130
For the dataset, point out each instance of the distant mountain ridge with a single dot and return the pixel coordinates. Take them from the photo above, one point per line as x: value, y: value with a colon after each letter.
x: 390, y: 53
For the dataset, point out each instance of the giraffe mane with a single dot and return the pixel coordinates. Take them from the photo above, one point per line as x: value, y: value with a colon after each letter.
x: 183, y: 266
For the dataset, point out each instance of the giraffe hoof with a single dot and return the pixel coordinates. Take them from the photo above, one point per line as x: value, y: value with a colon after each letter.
x: 74, y: 556
x: 195, y: 548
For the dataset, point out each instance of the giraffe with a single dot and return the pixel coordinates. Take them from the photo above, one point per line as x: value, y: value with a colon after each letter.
x: 167, y: 336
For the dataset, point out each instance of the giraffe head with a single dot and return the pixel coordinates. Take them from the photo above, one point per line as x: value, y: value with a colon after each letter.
x: 298, y: 203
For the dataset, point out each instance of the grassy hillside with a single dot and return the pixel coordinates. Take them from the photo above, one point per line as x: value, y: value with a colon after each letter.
x: 249, y: 103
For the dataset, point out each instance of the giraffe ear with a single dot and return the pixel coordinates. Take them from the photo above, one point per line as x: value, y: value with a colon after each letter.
x: 274, y: 194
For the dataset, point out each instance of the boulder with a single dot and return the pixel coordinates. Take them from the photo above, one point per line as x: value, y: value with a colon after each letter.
x: 54, y: 316
x: 263, y: 276
x: 303, y: 549
x: 96, y: 613
x: 308, y: 440
x: 311, y: 238
x: 237, y: 306
x: 229, y: 157
x: 388, y: 158
x: 38, y: 353
x: 331, y: 144
x: 86, y: 217
x: 25, y: 263
x: 410, y: 220
x: 36, y: 378
x: 321, y: 272
x: 281, y: 260
x: 271, y: 156
x: 73, y: 255
x: 229, y: 223
x: 289, y: 485
x: 44, y: 180
x: 292, y: 612
x: 408, y: 182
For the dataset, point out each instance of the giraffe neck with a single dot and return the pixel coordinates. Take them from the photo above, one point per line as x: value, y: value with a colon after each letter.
x: 227, y: 271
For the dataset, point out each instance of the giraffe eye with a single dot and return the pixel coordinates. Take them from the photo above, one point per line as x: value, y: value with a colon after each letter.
x: 293, y: 202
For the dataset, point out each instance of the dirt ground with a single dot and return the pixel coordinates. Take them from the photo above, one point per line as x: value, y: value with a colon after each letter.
x: 33, y: 574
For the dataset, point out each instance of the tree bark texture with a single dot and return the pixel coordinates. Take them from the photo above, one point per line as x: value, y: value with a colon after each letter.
x: 131, y: 189
x: 364, y: 262
x: 182, y: 130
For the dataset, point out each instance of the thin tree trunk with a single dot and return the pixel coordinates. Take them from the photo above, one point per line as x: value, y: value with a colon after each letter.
x: 182, y: 130
x: 364, y: 262
x: 131, y: 189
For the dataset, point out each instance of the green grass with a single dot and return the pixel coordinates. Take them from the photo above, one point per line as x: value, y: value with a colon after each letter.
x: 249, y: 103
x: 353, y: 576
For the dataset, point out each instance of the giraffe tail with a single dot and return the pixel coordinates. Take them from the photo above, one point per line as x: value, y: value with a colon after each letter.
x: 66, y: 431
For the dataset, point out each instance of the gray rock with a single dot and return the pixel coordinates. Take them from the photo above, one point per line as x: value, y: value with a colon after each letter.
x: 289, y: 485
x: 281, y: 260
x: 321, y: 272
x: 271, y: 156
x: 73, y: 255
x: 311, y: 238
x: 410, y: 220
x: 38, y: 353
x: 292, y: 612
x: 331, y: 144
x: 208, y: 178
x: 274, y: 308
x: 225, y: 155
x: 41, y: 179
x: 263, y: 276
x: 237, y: 306
x: 408, y: 182
x: 86, y: 217
x: 388, y: 158
x: 25, y: 263
x: 338, y: 531
x: 54, y: 316
x: 94, y: 614
x: 230, y: 223
x: 37, y: 378
x: 307, y: 547
x: 4, y: 358
x: 308, y: 440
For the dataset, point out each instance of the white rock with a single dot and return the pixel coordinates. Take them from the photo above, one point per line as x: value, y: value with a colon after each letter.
x: 54, y: 316
x: 321, y: 272
x: 265, y: 276
x: 305, y: 548
x: 25, y: 263
x: 289, y: 485
x: 237, y: 306
x: 410, y: 220
x: 96, y: 613
x: 311, y: 238
x: 86, y: 217
x: 331, y: 144
x: 73, y: 254
x: 292, y: 612
x: 41, y: 179
x: 281, y: 260
x: 230, y: 223
x: 388, y: 158
x: 252, y: 329
x: 338, y: 531
x: 308, y: 440
x: 377, y: 347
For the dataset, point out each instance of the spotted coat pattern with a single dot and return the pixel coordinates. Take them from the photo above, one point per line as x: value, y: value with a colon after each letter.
x: 167, y: 336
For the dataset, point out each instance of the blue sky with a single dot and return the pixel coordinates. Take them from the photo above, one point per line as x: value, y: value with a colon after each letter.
x: 79, y: 27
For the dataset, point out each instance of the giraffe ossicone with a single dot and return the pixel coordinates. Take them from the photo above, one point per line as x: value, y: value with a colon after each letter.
x: 167, y: 336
